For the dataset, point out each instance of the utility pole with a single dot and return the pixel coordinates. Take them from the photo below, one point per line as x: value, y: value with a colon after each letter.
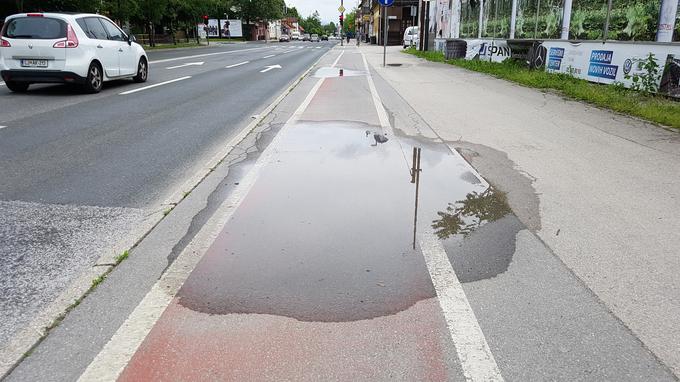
x: 342, y: 18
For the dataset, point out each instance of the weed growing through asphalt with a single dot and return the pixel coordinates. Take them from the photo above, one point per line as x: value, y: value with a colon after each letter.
x: 120, y: 258
x: 97, y: 281
x: 167, y: 212
x: 647, y: 106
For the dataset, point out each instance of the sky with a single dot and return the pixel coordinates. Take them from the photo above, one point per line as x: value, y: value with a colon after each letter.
x: 328, y: 9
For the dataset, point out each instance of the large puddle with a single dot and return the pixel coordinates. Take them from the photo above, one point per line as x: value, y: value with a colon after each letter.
x: 326, y: 232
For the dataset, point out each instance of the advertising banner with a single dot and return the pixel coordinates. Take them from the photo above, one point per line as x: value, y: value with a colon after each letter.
x: 606, y: 63
x: 595, y: 61
x: 213, y: 28
x: 231, y: 28
x: 201, y: 28
x: 489, y: 50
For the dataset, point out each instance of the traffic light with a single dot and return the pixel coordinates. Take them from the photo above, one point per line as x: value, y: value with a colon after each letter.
x: 342, y: 18
x: 205, y: 19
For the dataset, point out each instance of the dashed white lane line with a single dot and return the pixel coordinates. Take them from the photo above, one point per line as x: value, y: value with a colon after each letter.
x: 203, y: 55
x: 120, y: 349
x: 475, y: 356
x: 269, y: 56
x: 2, y: 127
x: 235, y: 65
x: 155, y: 85
x: 2, y: 83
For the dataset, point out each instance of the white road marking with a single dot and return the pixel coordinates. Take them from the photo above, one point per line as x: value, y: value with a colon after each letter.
x: 120, y: 349
x: 155, y: 85
x: 476, y: 359
x: 270, y: 67
x: 2, y: 83
x: 184, y: 65
x: 203, y: 55
x: 239, y: 64
x: 271, y: 55
x: 2, y: 127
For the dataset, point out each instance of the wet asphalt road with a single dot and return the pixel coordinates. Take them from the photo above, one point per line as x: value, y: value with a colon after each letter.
x: 313, y: 276
x: 81, y: 176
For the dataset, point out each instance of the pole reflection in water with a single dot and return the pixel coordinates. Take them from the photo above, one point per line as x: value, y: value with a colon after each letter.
x: 415, y: 178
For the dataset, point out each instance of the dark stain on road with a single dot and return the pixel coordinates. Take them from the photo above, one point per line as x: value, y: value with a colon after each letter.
x: 325, y: 232
x: 328, y: 72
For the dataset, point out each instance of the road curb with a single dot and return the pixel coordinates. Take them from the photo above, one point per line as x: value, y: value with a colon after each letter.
x: 22, y: 344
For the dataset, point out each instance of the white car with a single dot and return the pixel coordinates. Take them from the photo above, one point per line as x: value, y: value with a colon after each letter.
x: 411, y: 37
x: 83, y: 49
x: 314, y: 38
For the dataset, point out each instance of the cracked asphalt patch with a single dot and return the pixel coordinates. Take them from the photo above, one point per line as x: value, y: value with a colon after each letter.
x: 44, y: 247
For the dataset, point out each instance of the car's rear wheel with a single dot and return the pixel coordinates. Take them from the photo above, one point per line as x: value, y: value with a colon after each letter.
x: 142, y: 71
x: 95, y: 79
x: 17, y: 87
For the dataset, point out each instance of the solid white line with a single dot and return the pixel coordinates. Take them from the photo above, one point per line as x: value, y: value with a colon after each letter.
x: 185, y: 65
x: 476, y: 359
x: 239, y: 64
x: 203, y: 55
x: 120, y: 349
x: 271, y: 55
x: 154, y: 85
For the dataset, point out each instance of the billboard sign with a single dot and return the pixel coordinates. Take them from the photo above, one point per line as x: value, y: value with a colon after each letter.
x: 231, y: 28
x: 213, y: 28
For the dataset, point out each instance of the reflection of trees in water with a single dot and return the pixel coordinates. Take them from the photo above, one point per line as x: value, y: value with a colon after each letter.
x: 465, y: 216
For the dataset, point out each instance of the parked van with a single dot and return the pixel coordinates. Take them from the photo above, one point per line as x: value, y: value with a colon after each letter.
x: 295, y: 35
x: 411, y: 37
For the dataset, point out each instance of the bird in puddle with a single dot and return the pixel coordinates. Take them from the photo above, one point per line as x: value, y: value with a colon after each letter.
x: 378, y: 138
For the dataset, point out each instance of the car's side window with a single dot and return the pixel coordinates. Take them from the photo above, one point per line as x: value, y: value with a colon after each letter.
x: 95, y: 29
x: 114, y: 33
x: 83, y: 26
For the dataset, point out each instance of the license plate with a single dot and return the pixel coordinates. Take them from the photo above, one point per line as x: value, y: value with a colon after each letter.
x: 34, y: 63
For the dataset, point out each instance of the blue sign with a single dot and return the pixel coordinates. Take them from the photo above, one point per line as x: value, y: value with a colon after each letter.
x: 600, y: 64
x: 603, y: 71
x: 555, y: 58
x: 601, y: 56
x: 386, y: 3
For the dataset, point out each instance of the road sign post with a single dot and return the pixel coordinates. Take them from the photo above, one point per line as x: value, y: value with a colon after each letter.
x: 385, y: 4
x: 342, y: 16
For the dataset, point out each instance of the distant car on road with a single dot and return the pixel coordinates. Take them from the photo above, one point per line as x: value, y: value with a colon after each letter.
x: 85, y: 49
x: 295, y: 36
x: 324, y: 38
x: 284, y: 38
x: 410, y: 37
x: 314, y: 38
x: 306, y: 37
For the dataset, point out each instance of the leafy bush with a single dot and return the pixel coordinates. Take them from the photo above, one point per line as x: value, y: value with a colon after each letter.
x: 647, y: 82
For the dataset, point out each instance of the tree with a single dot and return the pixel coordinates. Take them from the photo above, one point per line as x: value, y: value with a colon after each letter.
x: 350, y: 19
x: 330, y: 28
x: 293, y: 12
x: 312, y: 24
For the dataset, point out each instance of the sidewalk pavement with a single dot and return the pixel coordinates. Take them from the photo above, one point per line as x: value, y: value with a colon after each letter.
x: 600, y: 189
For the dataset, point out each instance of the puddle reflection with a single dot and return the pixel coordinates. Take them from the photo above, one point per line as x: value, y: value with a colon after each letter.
x: 465, y: 216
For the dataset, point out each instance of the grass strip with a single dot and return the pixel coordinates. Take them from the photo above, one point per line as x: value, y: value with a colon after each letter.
x: 650, y: 107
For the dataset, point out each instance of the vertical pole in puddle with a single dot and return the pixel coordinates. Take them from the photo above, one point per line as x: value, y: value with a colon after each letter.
x: 415, y: 178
